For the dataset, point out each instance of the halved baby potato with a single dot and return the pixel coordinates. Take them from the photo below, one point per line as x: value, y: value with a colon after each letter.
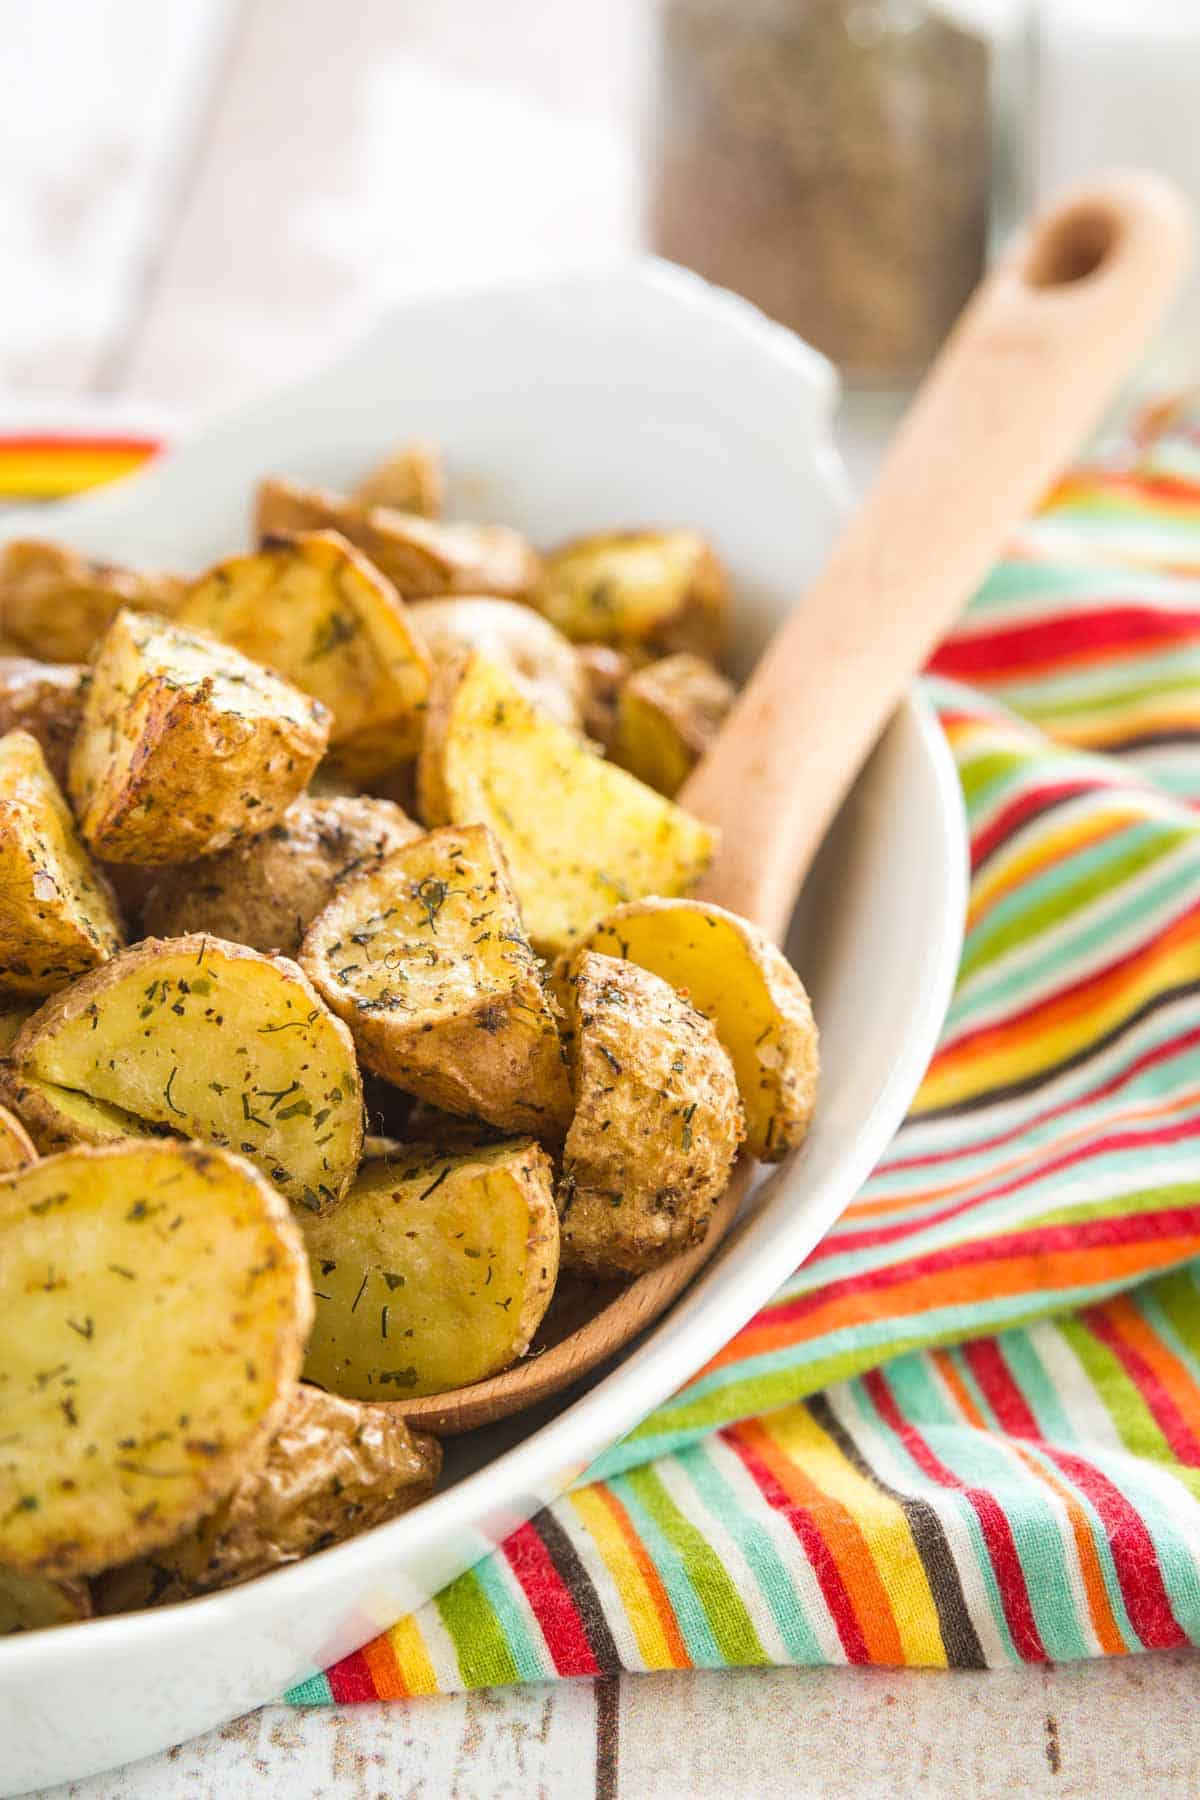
x: 667, y: 715
x: 57, y: 917
x: 314, y: 610
x: 433, y: 1271
x: 737, y: 978
x: 578, y: 834
x: 425, y: 958
x: 56, y: 1118
x: 56, y: 604
x: 212, y: 1041
x: 519, y: 640
x: 154, y: 1303
x: 659, y: 590
x: 45, y: 699
x: 185, y: 746
x: 412, y: 479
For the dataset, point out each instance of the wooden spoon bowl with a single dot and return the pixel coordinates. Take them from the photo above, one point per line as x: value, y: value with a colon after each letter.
x: 1034, y: 359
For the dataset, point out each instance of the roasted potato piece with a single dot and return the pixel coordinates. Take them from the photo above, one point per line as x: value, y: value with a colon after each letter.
x: 576, y: 831
x: 334, y: 1468
x: 420, y: 556
x: 657, y: 1121
x: 56, y: 1118
x: 10, y: 1024
x: 154, y: 1305
x: 55, y: 604
x: 660, y: 590
x: 433, y: 1271
x: 425, y: 959
x: 737, y: 978
x: 32, y: 1602
x: 57, y: 917
x: 604, y: 671
x: 185, y: 746
x: 44, y: 699
x: 536, y: 657
x: 667, y: 715
x: 16, y: 1145
x: 313, y: 608
x: 411, y: 480
x: 216, y: 1042
x: 266, y: 891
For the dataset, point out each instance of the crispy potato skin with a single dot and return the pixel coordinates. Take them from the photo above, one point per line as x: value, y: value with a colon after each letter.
x: 175, y: 1352
x: 657, y: 1121
x: 747, y: 987
x: 11, y: 1022
x: 185, y: 746
x: 425, y: 959
x: 56, y: 604
x: 33, y: 1602
x: 667, y: 716
x: 57, y: 917
x: 312, y: 608
x: 603, y: 670
x: 16, y: 1145
x: 593, y: 832
x: 58, y: 1118
x: 266, y: 891
x: 334, y: 1468
x: 412, y: 479
x: 218, y: 1042
x: 421, y: 557
x: 656, y: 590
x: 537, y: 658
x: 433, y: 1271
x: 44, y: 699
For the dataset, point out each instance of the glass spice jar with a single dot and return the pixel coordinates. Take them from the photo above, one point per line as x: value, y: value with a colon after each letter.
x: 829, y: 159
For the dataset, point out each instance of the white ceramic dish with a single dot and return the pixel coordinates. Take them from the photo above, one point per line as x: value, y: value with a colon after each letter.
x: 634, y: 396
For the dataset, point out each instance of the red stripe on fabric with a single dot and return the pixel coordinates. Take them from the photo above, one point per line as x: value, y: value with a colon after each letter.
x: 870, y: 1238
x: 553, y: 1607
x: 996, y: 1384
x: 829, y: 1579
x: 1027, y: 806
x: 351, y: 1679
x: 1133, y: 1554
x: 993, y: 1522
x: 77, y: 441
x: 1064, y: 638
x: 1139, y: 486
x: 1163, y: 1409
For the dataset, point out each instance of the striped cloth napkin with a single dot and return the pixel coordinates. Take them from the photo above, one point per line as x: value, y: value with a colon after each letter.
x: 966, y: 1432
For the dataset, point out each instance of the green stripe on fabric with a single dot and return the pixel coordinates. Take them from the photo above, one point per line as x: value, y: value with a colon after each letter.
x: 983, y: 772
x: 316, y: 1691
x: 1100, y: 1544
x: 532, y: 1661
x: 1176, y: 1195
x: 1136, y: 1425
x: 484, y: 1658
x: 1019, y: 1350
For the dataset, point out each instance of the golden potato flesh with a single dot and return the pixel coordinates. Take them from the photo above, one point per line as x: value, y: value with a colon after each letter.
x: 660, y: 590
x: 57, y: 918
x: 657, y: 1121
x: 154, y: 1304
x: 421, y: 557
x: 578, y: 834
x: 212, y: 1041
x: 737, y: 978
x: 266, y: 891
x: 312, y: 608
x: 32, y: 1602
x: 412, y: 479
x: 667, y: 716
x: 44, y: 699
x: 56, y: 1118
x: 425, y: 958
x: 433, y: 1271
x: 536, y: 657
x: 185, y: 746
x: 56, y: 604
x: 10, y: 1024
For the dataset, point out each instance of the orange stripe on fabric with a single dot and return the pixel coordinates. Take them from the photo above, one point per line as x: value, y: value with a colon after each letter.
x: 1174, y: 1377
x: 1104, y: 731
x: 638, y: 1583
x: 414, y: 1665
x: 384, y: 1669
x: 958, y: 1390
x: 1104, y: 1624
x: 1052, y: 847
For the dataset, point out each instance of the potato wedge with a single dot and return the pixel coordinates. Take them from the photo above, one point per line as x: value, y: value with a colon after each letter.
x: 10, y: 1025
x: 32, y: 1602
x: 216, y: 1042
x: 425, y: 959
x: 421, y: 557
x: 334, y: 1468
x: 16, y: 1145
x: 657, y: 1121
x: 662, y: 590
x: 313, y: 609
x: 57, y: 1118
x: 667, y: 715
x: 266, y: 891
x: 44, y: 699
x: 578, y: 834
x: 432, y: 1272
x: 412, y: 479
x: 185, y: 746
x: 57, y: 916
x: 604, y: 670
x: 536, y: 657
x: 737, y: 978
x: 154, y: 1305
x: 56, y: 604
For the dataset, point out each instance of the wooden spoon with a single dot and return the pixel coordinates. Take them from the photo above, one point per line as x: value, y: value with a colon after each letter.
x: 1026, y: 373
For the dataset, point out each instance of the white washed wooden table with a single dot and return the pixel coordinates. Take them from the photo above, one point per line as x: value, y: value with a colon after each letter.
x: 196, y: 200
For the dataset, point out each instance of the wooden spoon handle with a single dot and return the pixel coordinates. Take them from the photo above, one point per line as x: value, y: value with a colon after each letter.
x: 1025, y: 374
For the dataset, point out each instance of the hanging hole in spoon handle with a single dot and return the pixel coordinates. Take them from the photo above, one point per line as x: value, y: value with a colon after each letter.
x: 1034, y: 359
